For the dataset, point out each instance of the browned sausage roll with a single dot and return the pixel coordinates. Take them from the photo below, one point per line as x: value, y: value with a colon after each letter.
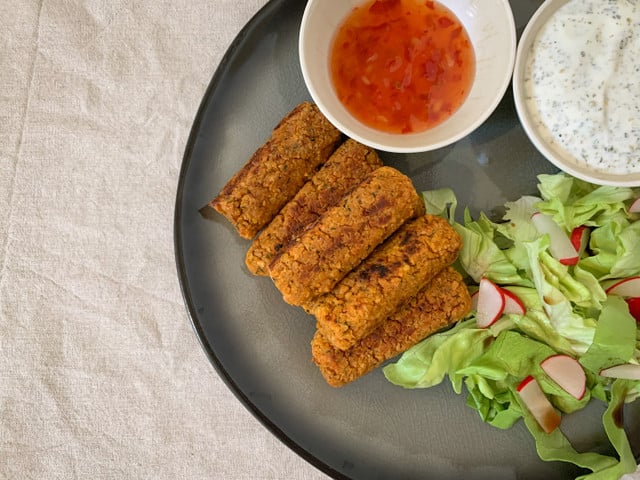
x: 301, y: 142
x: 346, y: 167
x: 440, y: 303
x: 391, y: 275
x: 345, y: 235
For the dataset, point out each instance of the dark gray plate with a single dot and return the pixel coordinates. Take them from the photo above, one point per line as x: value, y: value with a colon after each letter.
x: 260, y: 346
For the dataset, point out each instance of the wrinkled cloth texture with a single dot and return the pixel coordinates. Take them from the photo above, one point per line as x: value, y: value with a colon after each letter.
x: 101, y: 375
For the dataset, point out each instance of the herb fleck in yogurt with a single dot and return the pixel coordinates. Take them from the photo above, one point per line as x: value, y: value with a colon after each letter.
x: 582, y: 83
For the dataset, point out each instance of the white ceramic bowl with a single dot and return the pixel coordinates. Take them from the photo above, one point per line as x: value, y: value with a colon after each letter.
x: 553, y: 152
x: 491, y: 29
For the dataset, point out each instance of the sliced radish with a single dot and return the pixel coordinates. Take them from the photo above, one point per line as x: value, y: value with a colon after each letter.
x: 560, y: 245
x: 628, y: 371
x: 474, y: 300
x: 580, y: 238
x: 635, y: 206
x: 538, y: 404
x: 512, y: 303
x: 628, y: 287
x: 567, y: 373
x: 490, y: 303
x: 634, y: 307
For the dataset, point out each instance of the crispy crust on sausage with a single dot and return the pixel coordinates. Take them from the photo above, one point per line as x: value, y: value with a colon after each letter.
x: 300, y: 143
x: 391, y: 275
x: 345, y: 169
x: 442, y: 302
x: 345, y: 235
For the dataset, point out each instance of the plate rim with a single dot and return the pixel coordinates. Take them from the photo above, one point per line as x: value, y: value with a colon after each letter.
x: 265, y: 11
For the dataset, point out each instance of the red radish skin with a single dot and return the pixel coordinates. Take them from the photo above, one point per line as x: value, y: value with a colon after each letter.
x: 580, y: 238
x: 567, y: 373
x: 524, y: 383
x: 569, y: 261
x: 490, y: 303
x: 627, y: 287
x: 634, y: 307
x: 538, y: 404
x: 512, y: 303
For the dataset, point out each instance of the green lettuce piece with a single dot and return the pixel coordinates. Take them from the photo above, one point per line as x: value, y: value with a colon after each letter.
x: 573, y: 202
x: 555, y: 446
x: 561, y: 187
x: 567, y: 311
x: 519, y: 228
x: 627, y: 262
x: 492, y: 401
x: 553, y: 287
x: 481, y: 256
x: 616, y: 250
x: 590, y: 211
x: 559, y: 276
x: 603, y: 242
x: 427, y: 363
x: 591, y: 285
x: 511, y: 354
x: 613, y: 427
x: 535, y: 322
x: 614, y: 340
x: 441, y: 202
x: 615, y: 240
x: 511, y: 358
x: 517, y: 219
x: 517, y: 255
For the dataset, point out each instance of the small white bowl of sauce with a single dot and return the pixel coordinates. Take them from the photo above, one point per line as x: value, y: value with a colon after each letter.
x: 576, y: 87
x: 407, y: 75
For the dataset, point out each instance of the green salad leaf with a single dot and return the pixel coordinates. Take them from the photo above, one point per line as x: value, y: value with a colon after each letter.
x: 427, y: 363
x: 615, y: 337
x: 441, y: 202
x: 567, y: 311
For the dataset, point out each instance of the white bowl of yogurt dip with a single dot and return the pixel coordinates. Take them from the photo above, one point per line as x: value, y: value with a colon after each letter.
x: 576, y: 86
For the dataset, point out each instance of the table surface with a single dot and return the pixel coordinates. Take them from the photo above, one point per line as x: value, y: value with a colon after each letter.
x: 101, y: 375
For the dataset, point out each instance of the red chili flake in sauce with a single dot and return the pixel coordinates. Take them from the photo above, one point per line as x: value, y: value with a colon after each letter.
x: 402, y: 66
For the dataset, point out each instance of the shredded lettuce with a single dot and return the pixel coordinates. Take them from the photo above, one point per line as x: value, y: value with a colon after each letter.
x: 567, y: 311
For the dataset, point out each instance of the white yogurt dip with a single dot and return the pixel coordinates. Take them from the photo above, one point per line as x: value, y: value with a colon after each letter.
x: 582, y: 83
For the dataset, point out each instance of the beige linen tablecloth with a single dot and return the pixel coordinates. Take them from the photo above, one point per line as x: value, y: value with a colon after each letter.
x: 101, y: 375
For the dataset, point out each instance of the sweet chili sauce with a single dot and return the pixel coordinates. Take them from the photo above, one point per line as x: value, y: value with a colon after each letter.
x: 402, y: 66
